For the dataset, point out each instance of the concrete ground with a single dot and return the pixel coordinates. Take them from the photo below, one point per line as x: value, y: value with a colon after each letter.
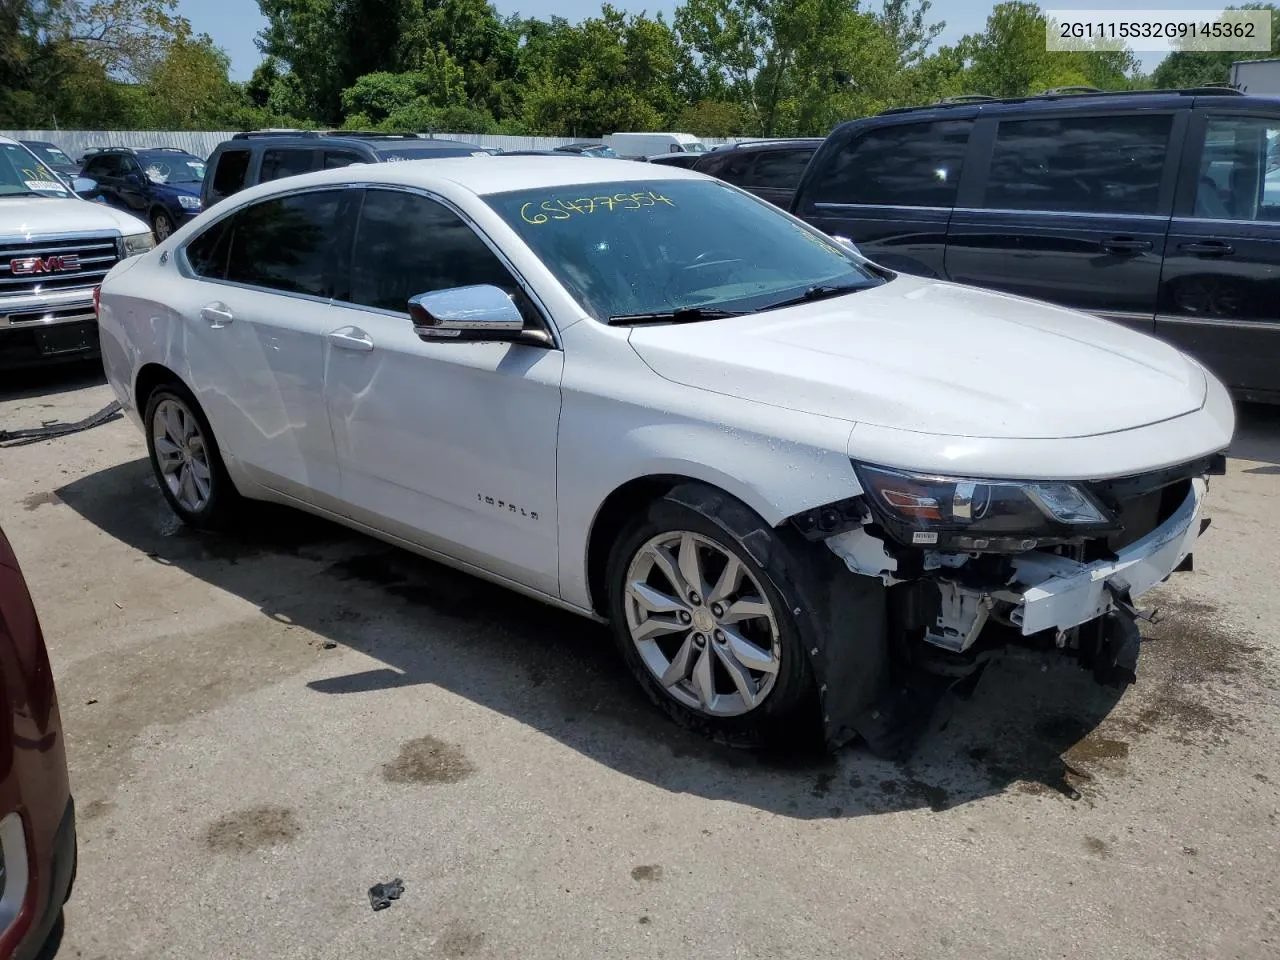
x: 261, y: 727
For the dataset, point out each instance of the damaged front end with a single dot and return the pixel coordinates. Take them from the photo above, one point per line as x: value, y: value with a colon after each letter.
x: 970, y: 566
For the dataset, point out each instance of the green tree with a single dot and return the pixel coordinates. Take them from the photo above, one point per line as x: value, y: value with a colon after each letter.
x: 711, y: 118
x: 1195, y: 68
x: 906, y: 24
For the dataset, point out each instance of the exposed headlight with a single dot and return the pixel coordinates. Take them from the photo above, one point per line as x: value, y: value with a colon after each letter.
x: 188, y: 202
x: 977, y: 514
x: 137, y: 243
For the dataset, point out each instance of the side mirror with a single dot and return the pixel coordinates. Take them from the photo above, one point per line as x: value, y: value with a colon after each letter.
x: 137, y: 179
x: 481, y: 312
x: 83, y: 185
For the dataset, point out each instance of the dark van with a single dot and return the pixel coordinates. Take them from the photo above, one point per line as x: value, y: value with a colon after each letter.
x: 1158, y: 209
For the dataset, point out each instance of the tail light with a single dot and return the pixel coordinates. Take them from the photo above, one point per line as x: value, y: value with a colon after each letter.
x: 97, y: 301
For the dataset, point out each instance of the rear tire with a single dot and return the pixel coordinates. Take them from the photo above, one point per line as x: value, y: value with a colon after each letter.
x: 706, y: 630
x: 186, y: 461
x: 161, y: 226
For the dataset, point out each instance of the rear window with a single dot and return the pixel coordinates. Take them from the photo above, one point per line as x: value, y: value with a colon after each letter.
x: 229, y: 174
x: 1079, y: 164
x: 903, y: 165
x: 780, y: 168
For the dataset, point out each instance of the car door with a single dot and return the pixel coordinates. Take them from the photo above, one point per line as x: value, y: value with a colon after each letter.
x: 1220, y: 287
x: 1070, y: 208
x: 255, y: 324
x: 777, y: 172
x: 133, y: 185
x: 890, y: 190
x: 451, y: 446
x: 107, y: 172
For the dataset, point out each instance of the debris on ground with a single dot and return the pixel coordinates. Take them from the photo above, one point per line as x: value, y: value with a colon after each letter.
x: 47, y: 431
x: 381, y: 894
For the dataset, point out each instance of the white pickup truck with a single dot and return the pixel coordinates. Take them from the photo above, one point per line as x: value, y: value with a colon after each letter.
x: 55, y: 248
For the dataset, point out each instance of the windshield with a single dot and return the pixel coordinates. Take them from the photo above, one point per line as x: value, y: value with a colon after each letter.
x: 640, y: 247
x: 696, y: 147
x: 23, y: 175
x: 50, y: 154
x: 171, y: 167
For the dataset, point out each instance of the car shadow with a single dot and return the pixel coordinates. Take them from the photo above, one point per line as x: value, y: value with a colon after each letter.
x: 50, y: 380
x: 560, y: 674
x: 1258, y: 437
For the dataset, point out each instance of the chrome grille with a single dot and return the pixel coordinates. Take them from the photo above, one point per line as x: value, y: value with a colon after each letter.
x: 96, y: 256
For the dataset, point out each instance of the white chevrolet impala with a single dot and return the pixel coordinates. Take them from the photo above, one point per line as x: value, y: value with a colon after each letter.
x: 799, y: 486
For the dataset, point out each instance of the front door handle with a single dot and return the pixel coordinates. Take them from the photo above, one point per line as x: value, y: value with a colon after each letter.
x: 351, y: 338
x: 1125, y: 245
x: 1208, y: 248
x: 217, y: 314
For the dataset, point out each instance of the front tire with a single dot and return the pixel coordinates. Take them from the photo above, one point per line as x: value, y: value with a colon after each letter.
x: 707, y: 631
x: 186, y: 460
x: 161, y: 226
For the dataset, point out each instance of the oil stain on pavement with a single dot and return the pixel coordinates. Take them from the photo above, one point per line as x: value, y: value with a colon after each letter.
x: 254, y: 828
x: 428, y: 760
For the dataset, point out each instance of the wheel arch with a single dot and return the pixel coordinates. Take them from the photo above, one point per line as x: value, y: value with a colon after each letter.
x: 150, y: 376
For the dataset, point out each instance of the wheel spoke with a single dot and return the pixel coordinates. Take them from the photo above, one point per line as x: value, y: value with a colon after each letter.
x: 655, y: 601
x: 663, y: 561
x: 188, y: 424
x: 656, y: 627
x: 748, y: 654
x: 166, y: 447
x: 185, y: 493
x: 728, y: 581
x: 679, y: 668
x: 199, y: 485
x: 201, y: 470
x: 173, y: 424
x: 703, y: 679
x: 740, y: 675
x: 690, y: 565
x: 745, y: 610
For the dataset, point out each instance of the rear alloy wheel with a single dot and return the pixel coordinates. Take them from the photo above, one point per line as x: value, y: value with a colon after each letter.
x: 709, y: 633
x: 161, y: 226
x: 186, y: 461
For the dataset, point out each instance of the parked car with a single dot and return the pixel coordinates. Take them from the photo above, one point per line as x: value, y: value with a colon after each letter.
x: 686, y: 161
x: 633, y: 146
x: 259, y: 156
x: 37, y: 814
x: 52, y: 156
x: 1147, y: 208
x: 55, y: 248
x: 587, y: 150
x: 768, y: 168
x: 789, y: 477
x: 158, y: 184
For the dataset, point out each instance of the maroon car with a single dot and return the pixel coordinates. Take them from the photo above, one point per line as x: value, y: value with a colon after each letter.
x: 37, y: 817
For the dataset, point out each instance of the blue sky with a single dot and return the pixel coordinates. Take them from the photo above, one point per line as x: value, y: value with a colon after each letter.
x: 234, y: 23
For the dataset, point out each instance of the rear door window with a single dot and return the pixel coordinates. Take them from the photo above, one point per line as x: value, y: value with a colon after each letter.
x: 107, y: 166
x: 288, y: 243
x: 280, y: 162
x: 229, y: 174
x: 1239, y: 176
x: 780, y: 169
x: 902, y: 165
x: 1079, y: 164
x: 340, y: 158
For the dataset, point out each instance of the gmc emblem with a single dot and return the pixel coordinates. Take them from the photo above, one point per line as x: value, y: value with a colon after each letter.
x: 52, y: 264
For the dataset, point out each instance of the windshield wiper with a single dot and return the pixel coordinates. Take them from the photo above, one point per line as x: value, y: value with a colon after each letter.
x: 822, y: 291
x: 682, y: 315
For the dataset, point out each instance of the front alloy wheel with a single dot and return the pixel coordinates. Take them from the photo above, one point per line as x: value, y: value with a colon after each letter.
x: 161, y: 226
x: 702, y: 625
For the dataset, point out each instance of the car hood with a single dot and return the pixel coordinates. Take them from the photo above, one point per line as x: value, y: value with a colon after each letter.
x: 189, y: 189
x: 933, y: 357
x: 30, y: 218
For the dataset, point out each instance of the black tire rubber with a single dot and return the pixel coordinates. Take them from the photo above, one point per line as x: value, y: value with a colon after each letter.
x: 789, y: 714
x: 225, y: 503
x: 155, y: 225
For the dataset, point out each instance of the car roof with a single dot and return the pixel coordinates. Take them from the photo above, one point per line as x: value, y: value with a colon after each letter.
x: 484, y: 176
x: 1071, y: 98
x: 792, y: 143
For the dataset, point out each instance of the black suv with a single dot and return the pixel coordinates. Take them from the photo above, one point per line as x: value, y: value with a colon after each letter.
x: 252, y: 158
x: 770, y: 169
x: 1159, y: 209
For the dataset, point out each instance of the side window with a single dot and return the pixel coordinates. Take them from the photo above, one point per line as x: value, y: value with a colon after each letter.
x: 779, y: 168
x: 339, y: 158
x: 288, y: 243
x: 108, y: 166
x: 407, y: 244
x: 903, y: 165
x: 1106, y: 164
x: 207, y: 253
x: 284, y: 162
x: 129, y: 165
x: 228, y: 174
x: 1239, y: 178
x: 736, y: 168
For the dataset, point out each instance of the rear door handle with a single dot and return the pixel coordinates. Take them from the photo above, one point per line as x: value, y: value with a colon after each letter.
x: 1208, y: 248
x: 217, y: 314
x: 351, y: 338
x: 1125, y: 245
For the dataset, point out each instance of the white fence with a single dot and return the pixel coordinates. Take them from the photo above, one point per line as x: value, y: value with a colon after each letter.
x: 76, y: 142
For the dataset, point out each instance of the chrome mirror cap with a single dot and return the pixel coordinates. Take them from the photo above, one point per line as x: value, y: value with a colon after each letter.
x: 481, y: 309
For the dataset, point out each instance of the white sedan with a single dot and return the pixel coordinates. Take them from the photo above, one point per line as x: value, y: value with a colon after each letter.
x: 795, y: 482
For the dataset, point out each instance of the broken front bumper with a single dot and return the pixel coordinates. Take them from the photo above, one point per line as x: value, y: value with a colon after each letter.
x: 1057, y: 593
